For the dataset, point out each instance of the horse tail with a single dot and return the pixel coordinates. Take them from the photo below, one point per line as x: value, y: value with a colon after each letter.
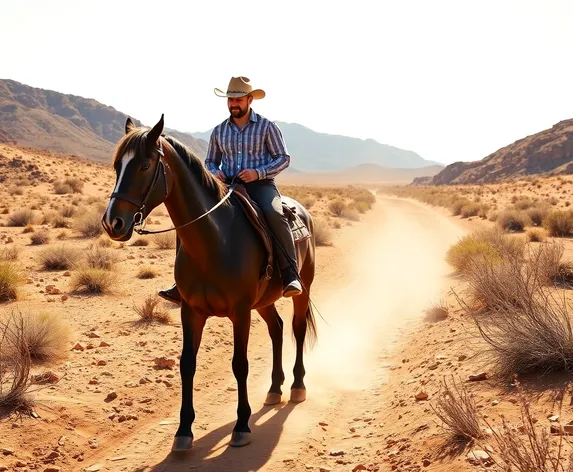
x: 311, y: 331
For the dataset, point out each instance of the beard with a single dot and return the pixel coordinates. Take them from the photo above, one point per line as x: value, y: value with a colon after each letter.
x: 238, y: 112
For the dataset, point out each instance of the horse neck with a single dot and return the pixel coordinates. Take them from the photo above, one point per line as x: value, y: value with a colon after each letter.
x: 189, y: 199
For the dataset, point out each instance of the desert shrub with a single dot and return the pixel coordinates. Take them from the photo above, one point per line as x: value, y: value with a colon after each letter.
x: 483, y: 210
x: 49, y: 217
x: 9, y: 253
x: 336, y: 207
x: 537, y: 214
x: 164, y: 240
x: 559, y: 223
x: 60, y: 188
x: 322, y: 233
x: 536, y: 235
x: 140, y: 242
x: 98, y: 257
x: 364, y: 198
x: 548, y: 265
x: 28, y: 229
x: 492, y: 216
x: 60, y: 221
x: 75, y: 184
x: 457, y: 205
x: 458, y: 412
x: 90, y: 280
x: 89, y: 224
x: 470, y: 209
x: 15, y: 365
x: 47, y: 336
x: 308, y: 201
x: 523, y: 203
x: 351, y: 214
x: 40, y: 237
x: 68, y: 211
x: 104, y: 241
x: 148, y: 312
x: 437, y: 312
x: 59, y: 257
x: 147, y: 272
x: 460, y: 255
x: 23, y: 217
x: 361, y: 206
x: 513, y: 220
x: 10, y: 279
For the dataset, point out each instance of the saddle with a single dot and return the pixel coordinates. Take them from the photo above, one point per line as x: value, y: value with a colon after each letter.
x: 299, y: 230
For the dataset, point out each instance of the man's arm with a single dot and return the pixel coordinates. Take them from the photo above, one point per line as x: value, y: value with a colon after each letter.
x: 213, y: 158
x: 277, y: 148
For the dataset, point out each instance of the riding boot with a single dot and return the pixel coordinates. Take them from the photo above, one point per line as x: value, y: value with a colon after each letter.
x: 291, y: 284
x: 171, y: 294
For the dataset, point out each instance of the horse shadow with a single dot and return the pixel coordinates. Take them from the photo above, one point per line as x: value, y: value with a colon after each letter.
x: 206, y: 456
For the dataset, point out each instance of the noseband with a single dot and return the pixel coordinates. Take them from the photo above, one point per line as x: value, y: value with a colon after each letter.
x: 161, y: 170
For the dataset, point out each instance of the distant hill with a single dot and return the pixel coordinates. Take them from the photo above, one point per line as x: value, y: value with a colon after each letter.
x: 363, y: 173
x: 547, y: 152
x: 312, y: 151
x: 45, y: 119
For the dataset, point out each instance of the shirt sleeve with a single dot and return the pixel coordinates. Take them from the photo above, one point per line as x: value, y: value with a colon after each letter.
x: 213, y: 158
x: 280, y: 158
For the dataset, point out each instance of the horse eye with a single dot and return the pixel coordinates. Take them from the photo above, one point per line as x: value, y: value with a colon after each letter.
x: 145, y: 167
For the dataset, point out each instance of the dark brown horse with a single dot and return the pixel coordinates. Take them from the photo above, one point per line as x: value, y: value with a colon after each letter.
x: 218, y: 263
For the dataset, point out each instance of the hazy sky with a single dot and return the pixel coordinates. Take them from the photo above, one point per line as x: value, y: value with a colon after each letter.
x: 449, y: 79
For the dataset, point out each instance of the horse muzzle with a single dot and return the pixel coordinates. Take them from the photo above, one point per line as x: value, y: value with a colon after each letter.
x: 118, y: 225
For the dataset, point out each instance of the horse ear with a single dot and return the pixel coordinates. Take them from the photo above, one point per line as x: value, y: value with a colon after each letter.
x: 153, y: 135
x: 129, y: 125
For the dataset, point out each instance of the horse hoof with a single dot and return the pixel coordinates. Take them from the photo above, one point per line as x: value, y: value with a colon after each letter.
x: 182, y: 443
x: 240, y: 439
x: 297, y: 395
x: 273, y: 398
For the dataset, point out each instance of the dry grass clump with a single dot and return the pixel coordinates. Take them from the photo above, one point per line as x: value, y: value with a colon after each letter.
x: 140, y: 242
x: 40, y: 237
x: 536, y: 235
x: 308, y: 201
x: 164, y: 240
x: 337, y: 207
x: 513, y: 220
x: 60, y: 188
x: 529, y: 448
x: 548, y: 264
x: 60, y: 221
x: 28, y: 229
x: 68, y: 211
x: 98, y: 257
x: 61, y: 257
x: 362, y: 198
x: 322, y: 233
x: 147, y: 272
x: 523, y: 203
x: 458, y: 412
x: 9, y: 253
x: 148, y: 312
x: 47, y: 336
x: 69, y: 185
x: 559, y: 223
x: 96, y: 281
x: 351, y: 214
x: 10, y: 279
x: 470, y: 209
x: 24, y: 217
x: 437, y: 312
x: 15, y: 365
x: 89, y: 224
x: 537, y: 214
x: 104, y: 241
x: 457, y: 205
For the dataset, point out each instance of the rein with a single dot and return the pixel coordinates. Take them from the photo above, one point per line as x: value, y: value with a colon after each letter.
x: 138, y: 217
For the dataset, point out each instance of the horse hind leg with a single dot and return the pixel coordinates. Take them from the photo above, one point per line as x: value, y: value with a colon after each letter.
x: 275, y: 327
x: 241, y: 325
x: 302, y: 322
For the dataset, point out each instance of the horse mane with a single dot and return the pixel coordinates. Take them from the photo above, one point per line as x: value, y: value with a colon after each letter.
x: 136, y: 141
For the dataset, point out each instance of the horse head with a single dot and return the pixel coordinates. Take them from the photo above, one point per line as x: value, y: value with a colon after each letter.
x: 143, y: 180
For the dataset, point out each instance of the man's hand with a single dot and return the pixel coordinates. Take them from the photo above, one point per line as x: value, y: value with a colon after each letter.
x: 220, y: 175
x: 248, y: 175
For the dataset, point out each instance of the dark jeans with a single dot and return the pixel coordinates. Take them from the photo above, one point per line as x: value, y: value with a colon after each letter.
x: 266, y: 194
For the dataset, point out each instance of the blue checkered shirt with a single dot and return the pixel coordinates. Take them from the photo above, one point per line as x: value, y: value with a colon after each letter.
x: 259, y: 145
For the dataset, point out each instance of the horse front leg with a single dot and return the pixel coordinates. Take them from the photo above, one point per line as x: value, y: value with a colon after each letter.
x: 241, y: 327
x: 193, y: 325
x: 275, y: 327
x: 299, y: 325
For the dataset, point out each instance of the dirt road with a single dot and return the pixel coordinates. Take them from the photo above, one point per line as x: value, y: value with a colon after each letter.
x: 377, y: 287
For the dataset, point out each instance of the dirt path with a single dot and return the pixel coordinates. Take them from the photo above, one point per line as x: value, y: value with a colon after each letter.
x: 380, y: 282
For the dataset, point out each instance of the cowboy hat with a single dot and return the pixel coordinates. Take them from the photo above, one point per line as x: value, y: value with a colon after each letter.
x: 239, y: 87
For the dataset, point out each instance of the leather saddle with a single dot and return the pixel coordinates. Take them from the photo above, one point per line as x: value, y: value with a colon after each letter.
x: 299, y: 230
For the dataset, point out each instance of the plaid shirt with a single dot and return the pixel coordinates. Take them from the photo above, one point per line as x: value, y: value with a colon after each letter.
x: 259, y: 145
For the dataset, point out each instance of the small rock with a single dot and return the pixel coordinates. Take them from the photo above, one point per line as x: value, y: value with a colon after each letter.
x: 103, y: 344
x: 164, y: 363
x: 324, y: 469
x: 462, y: 358
x: 553, y: 418
x: 359, y: 467
x: 478, y: 377
x: 495, y: 402
x: 421, y: 395
x: 53, y: 455
x: 231, y: 389
x: 67, y: 273
x: 111, y: 396
x: 337, y: 453
x: 78, y: 347
x: 6, y: 451
x: 426, y: 462
x: 478, y: 457
x: 322, y: 423
x: 101, y: 362
x: 94, y: 468
x: 52, y: 468
x: 3, y: 468
x: 93, y: 334
x: 90, y: 346
x: 64, y: 298
x: 21, y: 463
x: 121, y: 418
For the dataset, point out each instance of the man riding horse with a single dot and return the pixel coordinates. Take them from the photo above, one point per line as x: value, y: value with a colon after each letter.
x: 250, y: 147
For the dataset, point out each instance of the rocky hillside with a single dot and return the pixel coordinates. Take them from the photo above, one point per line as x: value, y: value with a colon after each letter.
x: 547, y: 152
x: 319, y: 152
x: 45, y: 119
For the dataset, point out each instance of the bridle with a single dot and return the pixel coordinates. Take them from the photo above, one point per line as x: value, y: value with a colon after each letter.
x: 161, y: 171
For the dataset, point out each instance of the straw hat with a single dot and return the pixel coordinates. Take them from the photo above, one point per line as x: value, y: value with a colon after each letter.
x: 239, y: 87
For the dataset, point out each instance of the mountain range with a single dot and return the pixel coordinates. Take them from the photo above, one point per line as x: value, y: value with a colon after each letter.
x: 46, y: 119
